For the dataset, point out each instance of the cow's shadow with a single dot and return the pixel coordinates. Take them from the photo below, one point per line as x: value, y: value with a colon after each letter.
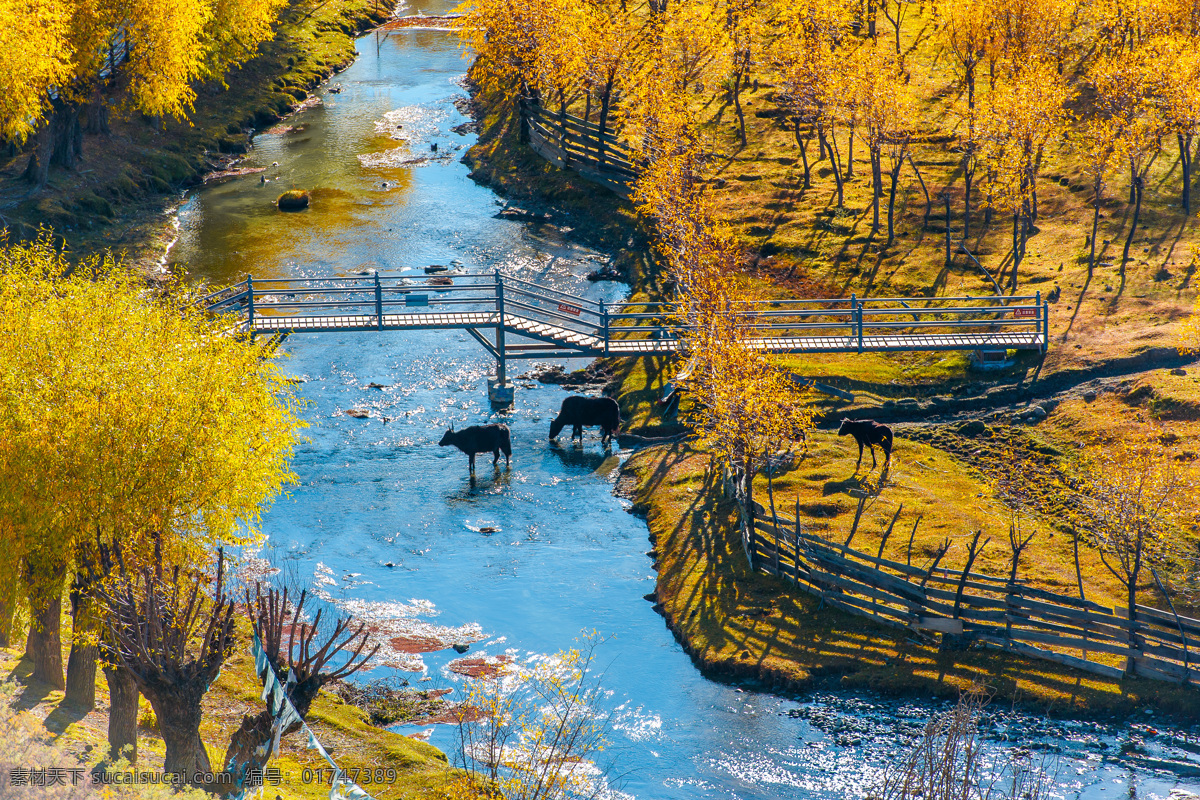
x: 579, y: 457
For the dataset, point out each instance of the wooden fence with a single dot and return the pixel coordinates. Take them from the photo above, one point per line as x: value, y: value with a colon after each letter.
x: 969, y: 606
x: 577, y: 144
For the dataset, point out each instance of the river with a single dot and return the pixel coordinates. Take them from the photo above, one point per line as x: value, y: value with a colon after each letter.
x: 524, y: 559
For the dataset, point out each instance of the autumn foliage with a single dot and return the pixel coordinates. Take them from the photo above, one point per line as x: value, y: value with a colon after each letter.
x: 124, y: 416
x: 66, y: 65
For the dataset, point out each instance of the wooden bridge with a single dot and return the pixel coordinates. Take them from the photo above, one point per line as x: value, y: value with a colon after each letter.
x: 527, y: 320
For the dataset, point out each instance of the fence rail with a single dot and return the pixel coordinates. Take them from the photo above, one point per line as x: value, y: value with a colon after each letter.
x: 971, y: 607
x: 578, y: 144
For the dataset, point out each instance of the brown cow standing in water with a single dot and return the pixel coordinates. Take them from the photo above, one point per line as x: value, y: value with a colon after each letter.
x: 481, y: 439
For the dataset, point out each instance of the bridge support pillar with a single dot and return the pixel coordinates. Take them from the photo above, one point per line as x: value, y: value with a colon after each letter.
x: 501, y: 393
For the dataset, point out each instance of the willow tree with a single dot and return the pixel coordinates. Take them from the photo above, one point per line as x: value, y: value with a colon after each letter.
x: 143, y: 56
x: 35, y: 56
x: 123, y: 415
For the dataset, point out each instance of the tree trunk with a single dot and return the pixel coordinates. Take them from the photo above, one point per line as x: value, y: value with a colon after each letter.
x: 178, y: 710
x: 44, y: 645
x: 1095, y: 224
x: 81, y: 673
x: 1138, y: 185
x: 876, y: 189
x: 37, y: 170
x: 97, y: 116
x: 1185, y: 158
x: 6, y: 622
x: 605, y: 104
x: 822, y: 142
x: 67, y: 139
x: 802, y: 143
x: 892, y: 202
x: 81, y: 664
x: 1131, y: 598
x: 871, y: 15
x: 737, y: 105
x: 968, y: 174
x: 850, y: 154
x: 836, y: 162
x: 1016, y: 239
x: 122, y: 713
x: 249, y: 746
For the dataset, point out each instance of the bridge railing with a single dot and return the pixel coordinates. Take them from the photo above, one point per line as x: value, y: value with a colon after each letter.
x: 853, y: 318
x: 579, y: 323
x: 544, y: 304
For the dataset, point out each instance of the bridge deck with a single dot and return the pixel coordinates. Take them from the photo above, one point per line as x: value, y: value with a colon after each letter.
x: 565, y: 341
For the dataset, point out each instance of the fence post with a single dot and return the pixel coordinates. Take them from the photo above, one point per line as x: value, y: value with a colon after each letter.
x: 853, y: 313
x: 1045, y: 326
x: 604, y: 324
x: 1037, y: 328
x: 378, y: 303
x: 523, y: 114
x: 250, y: 305
x: 856, y: 313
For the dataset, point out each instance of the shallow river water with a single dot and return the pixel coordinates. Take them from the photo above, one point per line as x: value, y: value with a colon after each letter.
x: 524, y: 560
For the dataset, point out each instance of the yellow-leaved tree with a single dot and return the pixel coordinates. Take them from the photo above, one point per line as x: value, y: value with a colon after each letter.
x: 802, y: 54
x: 1180, y: 91
x: 125, y: 415
x: 1024, y: 114
x: 35, y: 56
x: 886, y: 112
x: 966, y: 27
x: 1136, y: 503
x: 140, y: 56
x: 1126, y: 94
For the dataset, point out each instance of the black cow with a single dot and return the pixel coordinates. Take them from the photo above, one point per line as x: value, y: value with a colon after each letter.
x: 870, y: 433
x: 481, y: 439
x: 579, y: 411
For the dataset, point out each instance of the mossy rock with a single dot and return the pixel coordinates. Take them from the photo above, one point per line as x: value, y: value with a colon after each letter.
x: 172, y: 168
x: 126, y: 186
x: 293, y: 200
x: 94, y: 203
x: 232, y: 144
x: 51, y: 210
x: 972, y: 429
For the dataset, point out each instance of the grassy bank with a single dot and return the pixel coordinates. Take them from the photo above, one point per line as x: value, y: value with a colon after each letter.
x: 344, y: 730
x: 744, y: 626
x: 594, y: 216
x: 124, y: 189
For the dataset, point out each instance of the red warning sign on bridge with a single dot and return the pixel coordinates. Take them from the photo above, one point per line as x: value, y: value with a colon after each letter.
x: 1025, y: 312
x: 569, y: 309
